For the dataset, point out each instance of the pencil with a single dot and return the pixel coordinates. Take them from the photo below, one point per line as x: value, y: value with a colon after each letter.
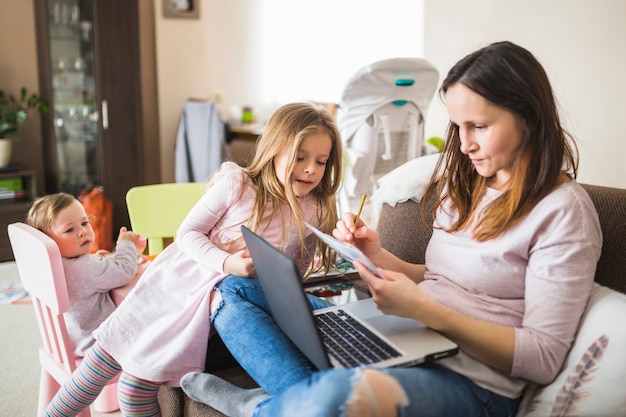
x: 358, y: 213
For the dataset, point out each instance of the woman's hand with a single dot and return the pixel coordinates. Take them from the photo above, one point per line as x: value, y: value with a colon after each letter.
x: 396, y: 294
x: 368, y: 241
x: 364, y: 238
x: 240, y: 264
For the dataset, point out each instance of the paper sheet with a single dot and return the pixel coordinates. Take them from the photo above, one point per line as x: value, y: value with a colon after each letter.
x: 346, y: 250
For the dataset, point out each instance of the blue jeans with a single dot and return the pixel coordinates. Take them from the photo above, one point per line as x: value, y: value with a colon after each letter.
x: 245, y: 324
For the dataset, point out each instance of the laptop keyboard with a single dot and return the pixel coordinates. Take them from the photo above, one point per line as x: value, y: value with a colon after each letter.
x: 350, y: 342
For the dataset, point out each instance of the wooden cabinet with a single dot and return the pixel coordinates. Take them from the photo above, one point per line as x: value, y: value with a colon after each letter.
x: 90, y: 71
x: 14, y: 208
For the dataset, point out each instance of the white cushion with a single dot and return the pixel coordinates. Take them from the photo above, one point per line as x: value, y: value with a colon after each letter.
x: 408, y: 181
x: 592, y: 382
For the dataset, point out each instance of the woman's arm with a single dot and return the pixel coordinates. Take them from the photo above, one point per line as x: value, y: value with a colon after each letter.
x: 368, y: 241
x: 489, y: 343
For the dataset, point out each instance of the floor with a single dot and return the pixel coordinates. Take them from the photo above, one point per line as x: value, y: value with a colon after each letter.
x: 19, y: 366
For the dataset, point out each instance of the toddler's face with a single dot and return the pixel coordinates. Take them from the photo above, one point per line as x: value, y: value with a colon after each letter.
x: 312, y: 157
x: 72, y: 231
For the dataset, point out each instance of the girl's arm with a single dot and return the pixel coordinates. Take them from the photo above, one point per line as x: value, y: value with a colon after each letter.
x: 214, y: 205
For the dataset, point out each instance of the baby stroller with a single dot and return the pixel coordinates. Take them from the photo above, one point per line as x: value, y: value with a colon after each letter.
x: 381, y: 123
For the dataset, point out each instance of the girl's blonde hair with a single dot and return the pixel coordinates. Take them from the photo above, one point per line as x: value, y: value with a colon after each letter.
x: 45, y: 209
x: 286, y: 129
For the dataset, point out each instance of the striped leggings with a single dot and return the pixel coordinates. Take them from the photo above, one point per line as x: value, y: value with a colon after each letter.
x: 137, y: 397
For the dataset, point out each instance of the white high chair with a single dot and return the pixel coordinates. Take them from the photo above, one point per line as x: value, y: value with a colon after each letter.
x: 383, y: 107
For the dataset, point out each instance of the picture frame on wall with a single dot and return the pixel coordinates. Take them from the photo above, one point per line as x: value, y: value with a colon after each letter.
x: 189, y: 9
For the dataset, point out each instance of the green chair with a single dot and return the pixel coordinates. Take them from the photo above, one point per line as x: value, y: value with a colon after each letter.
x: 157, y: 210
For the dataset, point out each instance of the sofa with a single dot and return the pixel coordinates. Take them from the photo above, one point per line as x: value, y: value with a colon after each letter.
x: 586, y: 386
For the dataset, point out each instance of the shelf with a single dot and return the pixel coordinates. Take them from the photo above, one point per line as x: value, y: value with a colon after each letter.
x: 15, y: 209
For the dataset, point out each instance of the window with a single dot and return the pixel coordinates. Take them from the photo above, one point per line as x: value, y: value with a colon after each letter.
x: 309, y: 50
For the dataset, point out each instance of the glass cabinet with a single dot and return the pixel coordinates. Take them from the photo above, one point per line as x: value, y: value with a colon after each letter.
x: 73, y: 105
x: 91, y: 72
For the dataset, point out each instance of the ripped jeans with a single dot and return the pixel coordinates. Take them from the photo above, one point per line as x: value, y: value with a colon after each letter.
x: 243, y: 320
x: 245, y: 325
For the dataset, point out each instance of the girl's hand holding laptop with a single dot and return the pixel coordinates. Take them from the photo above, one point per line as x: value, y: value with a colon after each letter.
x: 240, y: 264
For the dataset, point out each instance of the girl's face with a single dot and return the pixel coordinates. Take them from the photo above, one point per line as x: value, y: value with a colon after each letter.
x: 490, y: 135
x: 72, y: 231
x: 308, y: 172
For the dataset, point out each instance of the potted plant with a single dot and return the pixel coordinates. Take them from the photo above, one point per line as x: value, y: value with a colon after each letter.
x: 14, y: 112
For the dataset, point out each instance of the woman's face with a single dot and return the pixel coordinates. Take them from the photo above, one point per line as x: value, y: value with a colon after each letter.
x: 308, y: 172
x: 72, y: 231
x: 490, y: 135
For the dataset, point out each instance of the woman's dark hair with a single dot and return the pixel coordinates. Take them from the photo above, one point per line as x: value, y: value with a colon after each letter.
x: 509, y: 77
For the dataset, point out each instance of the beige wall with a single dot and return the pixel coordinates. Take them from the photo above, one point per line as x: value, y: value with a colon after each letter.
x: 18, y: 67
x: 211, y: 57
x: 581, y: 43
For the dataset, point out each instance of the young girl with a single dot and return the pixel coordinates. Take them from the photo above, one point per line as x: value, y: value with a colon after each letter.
x: 89, y: 277
x: 508, y: 272
x: 161, y: 330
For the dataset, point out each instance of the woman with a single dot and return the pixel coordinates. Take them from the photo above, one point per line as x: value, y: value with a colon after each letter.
x: 508, y: 270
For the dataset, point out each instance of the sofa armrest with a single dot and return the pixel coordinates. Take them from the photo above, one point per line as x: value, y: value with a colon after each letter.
x: 611, y: 207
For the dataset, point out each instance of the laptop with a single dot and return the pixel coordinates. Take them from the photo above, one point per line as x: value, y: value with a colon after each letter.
x: 392, y: 341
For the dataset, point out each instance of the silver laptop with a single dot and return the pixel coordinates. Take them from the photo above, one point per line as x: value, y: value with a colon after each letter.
x: 344, y: 336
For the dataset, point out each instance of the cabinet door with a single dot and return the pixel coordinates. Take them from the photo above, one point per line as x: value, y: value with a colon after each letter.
x: 90, y: 73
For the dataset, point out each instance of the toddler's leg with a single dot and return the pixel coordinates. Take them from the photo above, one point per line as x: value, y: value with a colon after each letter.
x: 138, y: 397
x: 84, y: 385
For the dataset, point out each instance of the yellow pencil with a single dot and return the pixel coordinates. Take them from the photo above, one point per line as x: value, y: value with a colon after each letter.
x: 358, y: 213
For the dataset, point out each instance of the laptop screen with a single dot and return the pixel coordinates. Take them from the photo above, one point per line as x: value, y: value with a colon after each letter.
x: 286, y: 298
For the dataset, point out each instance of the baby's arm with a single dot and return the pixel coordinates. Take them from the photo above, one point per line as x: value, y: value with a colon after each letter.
x: 139, y: 241
x: 120, y: 267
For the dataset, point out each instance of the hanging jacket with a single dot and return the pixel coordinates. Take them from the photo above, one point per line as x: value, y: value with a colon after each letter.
x: 200, y: 141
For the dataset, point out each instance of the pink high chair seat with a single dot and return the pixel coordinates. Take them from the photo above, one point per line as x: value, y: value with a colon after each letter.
x: 40, y: 268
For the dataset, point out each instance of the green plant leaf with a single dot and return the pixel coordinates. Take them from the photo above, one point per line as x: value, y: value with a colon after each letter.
x: 14, y: 113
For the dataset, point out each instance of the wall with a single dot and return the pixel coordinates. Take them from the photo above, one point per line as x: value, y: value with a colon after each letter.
x: 253, y: 52
x: 18, y: 67
x: 582, y: 45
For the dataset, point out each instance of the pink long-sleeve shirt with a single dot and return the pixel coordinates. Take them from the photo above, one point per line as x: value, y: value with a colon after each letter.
x: 161, y: 330
x: 536, y: 277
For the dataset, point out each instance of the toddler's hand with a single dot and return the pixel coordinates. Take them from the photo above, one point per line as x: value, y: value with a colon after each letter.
x: 139, y: 241
x: 141, y: 244
x: 240, y: 264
